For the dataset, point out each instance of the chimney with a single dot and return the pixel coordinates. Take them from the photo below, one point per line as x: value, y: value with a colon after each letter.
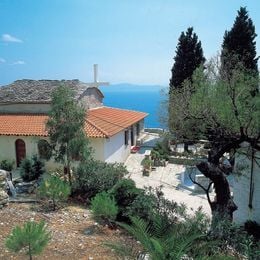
x: 95, y: 73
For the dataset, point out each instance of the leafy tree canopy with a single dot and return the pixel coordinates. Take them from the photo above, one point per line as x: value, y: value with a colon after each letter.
x: 66, y: 127
x: 223, y: 112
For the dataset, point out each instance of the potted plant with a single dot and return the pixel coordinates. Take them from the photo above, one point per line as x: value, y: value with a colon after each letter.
x: 147, y: 164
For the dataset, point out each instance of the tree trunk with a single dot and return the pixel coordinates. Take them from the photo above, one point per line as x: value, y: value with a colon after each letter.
x: 30, y: 253
x: 223, y: 206
x: 69, y: 174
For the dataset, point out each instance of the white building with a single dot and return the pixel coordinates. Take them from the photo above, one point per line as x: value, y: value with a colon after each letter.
x: 23, y: 113
x: 246, y: 186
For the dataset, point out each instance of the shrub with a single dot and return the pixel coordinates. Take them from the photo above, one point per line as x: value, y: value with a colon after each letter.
x: 92, y: 177
x: 229, y: 235
x: 253, y: 228
x: 7, y: 165
x: 31, y: 169
x: 104, y: 208
x: 26, y: 170
x: 142, y: 206
x: 151, y: 201
x: 55, y: 189
x: 147, y: 163
x: 32, y: 237
x: 124, y: 192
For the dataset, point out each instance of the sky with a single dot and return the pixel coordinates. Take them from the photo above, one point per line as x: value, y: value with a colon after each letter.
x: 133, y: 41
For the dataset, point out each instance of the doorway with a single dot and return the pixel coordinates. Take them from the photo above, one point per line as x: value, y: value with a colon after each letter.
x: 20, y: 151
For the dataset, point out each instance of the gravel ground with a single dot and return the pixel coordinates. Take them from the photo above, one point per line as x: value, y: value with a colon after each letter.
x: 67, y: 230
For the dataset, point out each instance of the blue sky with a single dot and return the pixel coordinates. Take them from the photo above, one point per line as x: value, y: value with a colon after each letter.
x: 133, y: 41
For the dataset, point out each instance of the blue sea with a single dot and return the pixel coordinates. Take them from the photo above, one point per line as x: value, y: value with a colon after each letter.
x: 141, y: 98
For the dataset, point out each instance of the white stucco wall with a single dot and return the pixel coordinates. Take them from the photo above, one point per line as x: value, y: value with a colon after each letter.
x: 24, y: 108
x: 112, y: 149
x: 7, y: 149
x: 98, y: 148
x: 115, y: 149
x: 7, y: 146
x: 241, y: 188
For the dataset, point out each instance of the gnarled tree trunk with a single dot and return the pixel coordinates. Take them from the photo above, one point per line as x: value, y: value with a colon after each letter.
x: 223, y: 205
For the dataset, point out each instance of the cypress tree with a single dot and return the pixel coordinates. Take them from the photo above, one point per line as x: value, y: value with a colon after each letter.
x: 189, y: 56
x: 239, y: 46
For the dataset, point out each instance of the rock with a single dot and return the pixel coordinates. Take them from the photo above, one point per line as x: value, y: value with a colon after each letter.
x: 25, y: 187
x: 3, y: 176
x: 4, y: 198
x: 2, y: 185
x: 3, y: 195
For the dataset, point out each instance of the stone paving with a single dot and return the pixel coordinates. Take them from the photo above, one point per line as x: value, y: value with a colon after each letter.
x: 168, y: 176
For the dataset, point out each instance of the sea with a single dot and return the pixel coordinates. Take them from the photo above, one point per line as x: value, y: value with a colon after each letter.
x: 144, y: 98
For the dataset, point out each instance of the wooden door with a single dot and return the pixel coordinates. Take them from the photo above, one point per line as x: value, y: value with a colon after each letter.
x: 20, y: 151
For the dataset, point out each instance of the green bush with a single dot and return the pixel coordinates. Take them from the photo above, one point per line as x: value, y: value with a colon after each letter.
x: 104, y: 208
x: 7, y: 165
x: 92, y: 177
x: 32, y: 237
x: 37, y: 167
x: 124, y: 192
x: 54, y: 189
x: 142, y: 206
x: 151, y: 201
x: 31, y: 169
x: 26, y: 170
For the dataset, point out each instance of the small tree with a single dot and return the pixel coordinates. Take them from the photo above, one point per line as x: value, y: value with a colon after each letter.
x: 26, y: 169
x: 55, y: 189
x: 37, y: 166
x: 33, y: 237
x: 104, y: 208
x: 31, y: 169
x: 66, y: 128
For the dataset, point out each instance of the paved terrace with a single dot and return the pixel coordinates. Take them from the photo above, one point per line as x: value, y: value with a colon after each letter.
x: 169, y: 177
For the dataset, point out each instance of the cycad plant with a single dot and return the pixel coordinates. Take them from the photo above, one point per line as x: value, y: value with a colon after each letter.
x: 161, y: 241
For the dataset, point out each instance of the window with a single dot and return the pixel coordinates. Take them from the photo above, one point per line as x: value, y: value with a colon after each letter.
x: 126, y: 137
x: 138, y: 129
x: 44, y: 149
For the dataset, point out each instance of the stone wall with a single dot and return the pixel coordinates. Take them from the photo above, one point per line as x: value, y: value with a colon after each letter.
x: 91, y: 98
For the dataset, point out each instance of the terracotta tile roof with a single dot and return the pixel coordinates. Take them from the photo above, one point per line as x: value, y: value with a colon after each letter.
x: 23, y: 124
x: 113, y: 120
x: 100, y: 123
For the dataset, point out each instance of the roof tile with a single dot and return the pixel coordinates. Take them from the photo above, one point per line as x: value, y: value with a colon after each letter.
x: 101, y: 122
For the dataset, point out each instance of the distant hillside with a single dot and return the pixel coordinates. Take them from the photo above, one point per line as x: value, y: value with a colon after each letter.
x: 126, y: 87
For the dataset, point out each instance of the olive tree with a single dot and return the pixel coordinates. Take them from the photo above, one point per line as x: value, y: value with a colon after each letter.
x: 224, y: 112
